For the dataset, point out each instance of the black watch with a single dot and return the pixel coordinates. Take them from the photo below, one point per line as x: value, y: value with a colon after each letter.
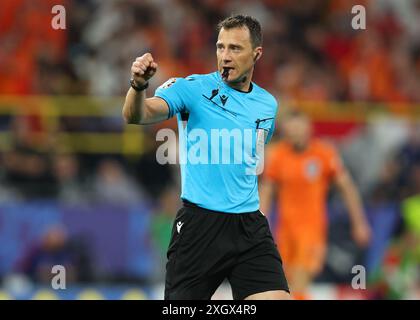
x: 137, y: 88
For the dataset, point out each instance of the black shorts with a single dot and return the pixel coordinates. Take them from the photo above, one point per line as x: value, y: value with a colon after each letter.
x: 208, y: 246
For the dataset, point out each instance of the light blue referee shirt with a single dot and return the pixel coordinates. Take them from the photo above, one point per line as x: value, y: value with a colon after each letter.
x: 220, y: 141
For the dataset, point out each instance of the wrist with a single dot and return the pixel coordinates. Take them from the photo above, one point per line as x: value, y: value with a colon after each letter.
x: 139, y: 87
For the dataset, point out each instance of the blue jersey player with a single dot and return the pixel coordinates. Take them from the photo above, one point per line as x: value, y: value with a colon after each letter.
x: 223, y: 118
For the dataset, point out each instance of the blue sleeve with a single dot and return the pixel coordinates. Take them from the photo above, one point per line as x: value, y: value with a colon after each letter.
x: 271, y: 131
x: 273, y: 124
x: 175, y: 92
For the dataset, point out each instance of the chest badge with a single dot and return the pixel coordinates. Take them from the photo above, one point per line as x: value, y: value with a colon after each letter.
x: 312, y: 169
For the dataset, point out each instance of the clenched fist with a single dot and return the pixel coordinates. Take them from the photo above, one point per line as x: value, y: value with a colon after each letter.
x: 143, y: 69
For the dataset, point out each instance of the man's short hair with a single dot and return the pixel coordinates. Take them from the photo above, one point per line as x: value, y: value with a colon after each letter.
x: 239, y: 21
x: 293, y: 113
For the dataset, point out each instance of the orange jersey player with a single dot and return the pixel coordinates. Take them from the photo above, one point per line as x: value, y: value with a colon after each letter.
x: 301, y: 169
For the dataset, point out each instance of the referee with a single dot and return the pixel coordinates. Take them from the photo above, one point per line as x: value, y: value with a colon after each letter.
x: 219, y: 232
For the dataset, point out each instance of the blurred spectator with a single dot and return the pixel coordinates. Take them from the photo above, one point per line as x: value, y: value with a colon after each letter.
x: 66, y: 173
x: 411, y: 216
x: 339, y: 63
x: 407, y: 159
x: 161, y: 226
x: 56, y: 248
x: 155, y: 178
x: 28, y: 165
x: 398, y: 275
x: 112, y: 184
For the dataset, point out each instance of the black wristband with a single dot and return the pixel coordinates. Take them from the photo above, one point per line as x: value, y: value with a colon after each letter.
x: 137, y: 88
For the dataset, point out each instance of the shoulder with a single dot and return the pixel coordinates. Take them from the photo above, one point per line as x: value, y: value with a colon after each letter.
x: 203, y: 81
x: 174, y: 81
x: 201, y: 77
x: 265, y: 95
x: 324, y: 147
x: 190, y: 81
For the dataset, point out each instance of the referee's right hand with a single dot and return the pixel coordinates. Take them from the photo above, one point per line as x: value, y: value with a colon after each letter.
x: 143, y: 69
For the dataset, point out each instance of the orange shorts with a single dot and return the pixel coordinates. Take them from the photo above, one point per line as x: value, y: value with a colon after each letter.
x: 302, y: 248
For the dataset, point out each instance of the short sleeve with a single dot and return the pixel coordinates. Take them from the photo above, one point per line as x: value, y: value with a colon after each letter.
x: 273, y: 122
x: 175, y: 92
x: 272, y: 164
x: 333, y: 161
x: 271, y: 131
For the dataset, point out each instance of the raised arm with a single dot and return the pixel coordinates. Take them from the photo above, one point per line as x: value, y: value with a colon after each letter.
x: 138, y: 109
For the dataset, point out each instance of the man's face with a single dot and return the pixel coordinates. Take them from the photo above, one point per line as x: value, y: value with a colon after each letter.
x: 297, y: 130
x: 235, y: 52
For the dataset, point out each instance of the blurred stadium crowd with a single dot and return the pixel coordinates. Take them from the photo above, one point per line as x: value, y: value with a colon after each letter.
x: 312, y: 51
x: 311, y: 54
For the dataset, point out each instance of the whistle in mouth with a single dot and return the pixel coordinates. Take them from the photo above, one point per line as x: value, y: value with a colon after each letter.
x: 225, y: 73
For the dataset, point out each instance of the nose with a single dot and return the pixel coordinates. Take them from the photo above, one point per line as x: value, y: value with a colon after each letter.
x: 226, y: 58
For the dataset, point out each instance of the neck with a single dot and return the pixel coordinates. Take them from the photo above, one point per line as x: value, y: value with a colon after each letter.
x: 243, y: 84
x: 299, y: 147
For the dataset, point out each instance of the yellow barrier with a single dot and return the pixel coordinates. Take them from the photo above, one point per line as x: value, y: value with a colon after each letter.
x: 49, y: 109
x: 354, y: 111
x: 131, y: 139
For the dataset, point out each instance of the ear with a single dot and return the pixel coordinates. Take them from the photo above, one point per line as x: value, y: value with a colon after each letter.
x: 257, y: 54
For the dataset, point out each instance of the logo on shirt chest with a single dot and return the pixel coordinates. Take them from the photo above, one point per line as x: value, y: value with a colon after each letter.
x: 312, y: 169
x: 223, y: 100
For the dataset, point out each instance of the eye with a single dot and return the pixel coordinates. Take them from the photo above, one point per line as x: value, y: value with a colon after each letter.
x: 236, y: 48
